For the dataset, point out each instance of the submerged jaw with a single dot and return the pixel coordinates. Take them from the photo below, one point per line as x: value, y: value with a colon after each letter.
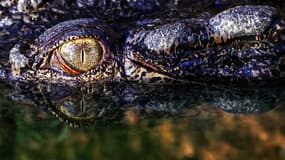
x: 138, y: 72
x: 248, y: 60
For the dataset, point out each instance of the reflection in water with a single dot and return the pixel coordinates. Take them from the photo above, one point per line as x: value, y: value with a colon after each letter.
x: 142, y: 122
x: 83, y: 104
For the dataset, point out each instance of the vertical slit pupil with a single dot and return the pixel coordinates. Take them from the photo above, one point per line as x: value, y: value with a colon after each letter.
x: 82, y: 106
x: 82, y: 56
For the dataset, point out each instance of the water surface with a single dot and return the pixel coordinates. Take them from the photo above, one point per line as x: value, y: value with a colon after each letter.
x: 47, y: 121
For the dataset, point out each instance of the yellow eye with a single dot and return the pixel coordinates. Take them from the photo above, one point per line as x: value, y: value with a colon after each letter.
x: 78, y: 55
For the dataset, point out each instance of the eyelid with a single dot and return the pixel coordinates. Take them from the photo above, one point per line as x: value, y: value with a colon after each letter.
x: 56, y: 60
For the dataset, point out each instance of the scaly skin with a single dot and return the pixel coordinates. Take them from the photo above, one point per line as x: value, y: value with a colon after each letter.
x: 240, y: 43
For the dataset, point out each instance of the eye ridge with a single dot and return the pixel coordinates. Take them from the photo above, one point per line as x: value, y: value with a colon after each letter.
x: 61, y: 42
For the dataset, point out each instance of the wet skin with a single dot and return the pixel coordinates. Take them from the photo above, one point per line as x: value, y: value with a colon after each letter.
x: 237, y: 43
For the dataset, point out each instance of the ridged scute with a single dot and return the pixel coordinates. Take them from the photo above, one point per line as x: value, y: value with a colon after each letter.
x: 242, y: 21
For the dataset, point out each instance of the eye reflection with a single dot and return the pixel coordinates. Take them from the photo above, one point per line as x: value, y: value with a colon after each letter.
x: 79, y: 55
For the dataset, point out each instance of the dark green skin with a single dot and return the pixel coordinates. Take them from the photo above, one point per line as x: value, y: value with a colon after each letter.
x: 120, y: 27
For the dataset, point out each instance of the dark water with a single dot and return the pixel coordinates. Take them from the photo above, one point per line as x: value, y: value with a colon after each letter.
x: 126, y: 121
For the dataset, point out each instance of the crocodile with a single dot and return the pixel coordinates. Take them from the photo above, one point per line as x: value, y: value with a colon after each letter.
x: 47, y: 48
x: 143, y: 41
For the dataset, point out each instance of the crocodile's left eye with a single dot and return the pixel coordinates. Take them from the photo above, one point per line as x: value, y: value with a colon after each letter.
x: 75, y: 47
x: 77, y: 56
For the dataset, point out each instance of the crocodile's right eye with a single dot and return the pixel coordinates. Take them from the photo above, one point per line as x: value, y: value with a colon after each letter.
x: 77, y: 56
x: 74, y: 47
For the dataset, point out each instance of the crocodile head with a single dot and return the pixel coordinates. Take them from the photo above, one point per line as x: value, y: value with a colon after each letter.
x: 144, y: 41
